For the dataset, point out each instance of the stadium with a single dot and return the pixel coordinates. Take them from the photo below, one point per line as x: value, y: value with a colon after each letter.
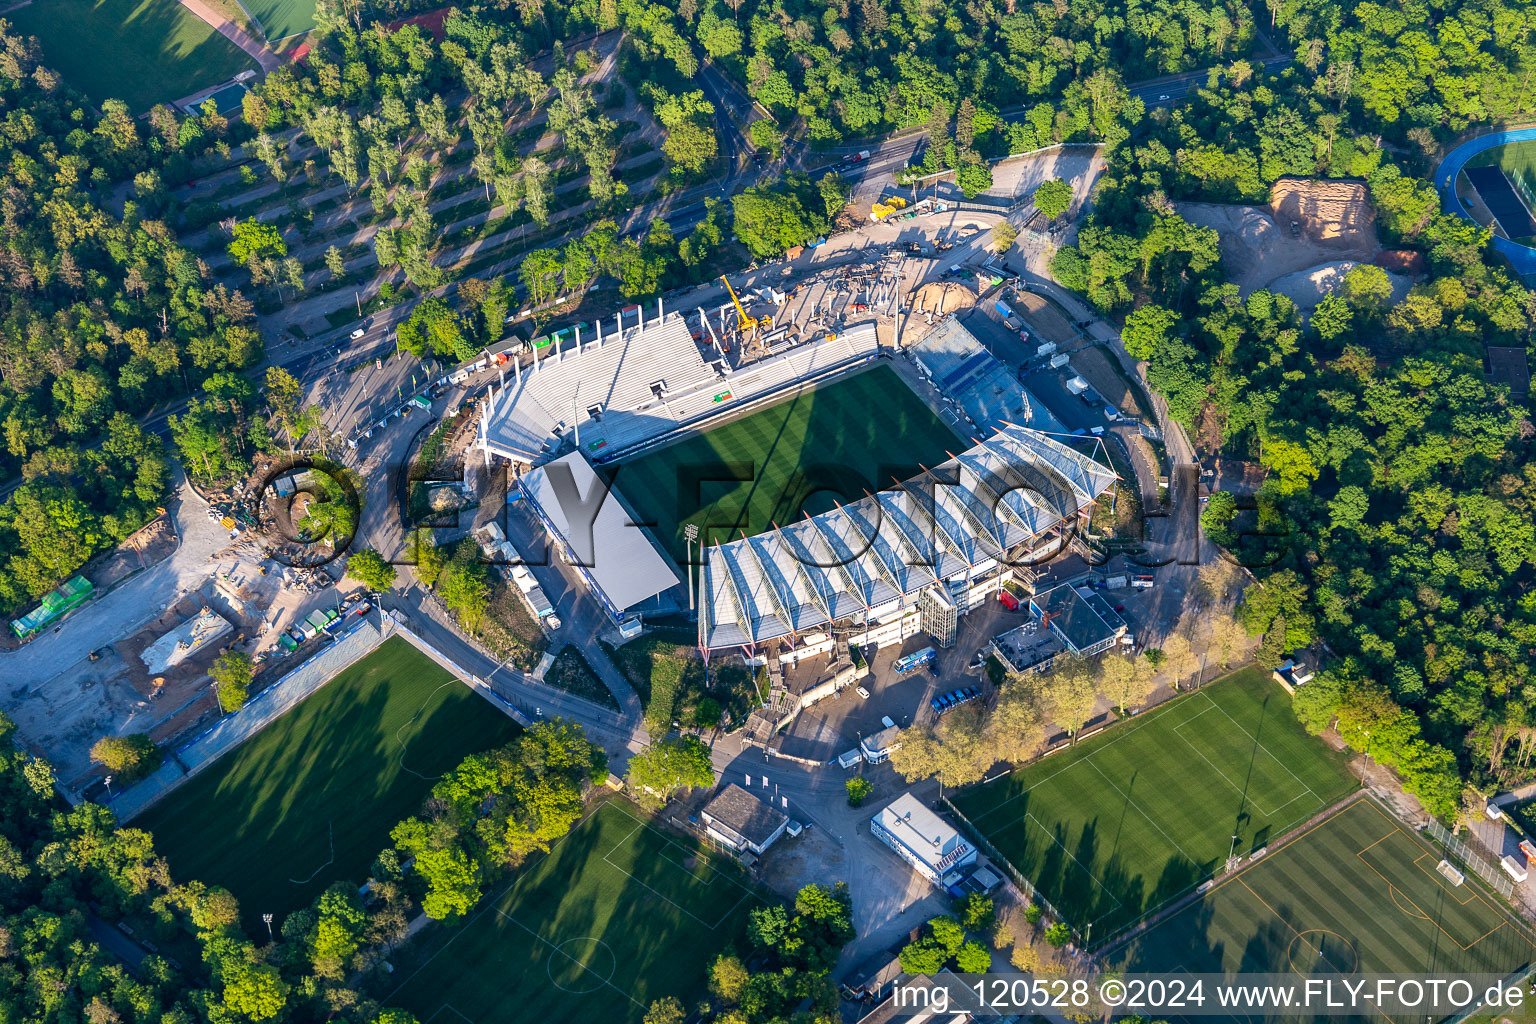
x: 827, y: 497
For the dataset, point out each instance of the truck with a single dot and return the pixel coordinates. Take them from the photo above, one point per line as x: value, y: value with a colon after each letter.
x: 1116, y: 582
x: 1143, y: 582
x: 1059, y: 360
x: 1049, y: 348
x: 1513, y: 868
x: 1077, y: 385
x: 1004, y: 309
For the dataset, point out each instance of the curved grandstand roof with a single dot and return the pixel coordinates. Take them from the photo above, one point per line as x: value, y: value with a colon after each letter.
x: 623, y: 390
x: 964, y: 513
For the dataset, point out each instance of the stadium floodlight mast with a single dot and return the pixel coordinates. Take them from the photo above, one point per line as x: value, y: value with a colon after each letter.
x: 691, y: 532
x: 266, y: 919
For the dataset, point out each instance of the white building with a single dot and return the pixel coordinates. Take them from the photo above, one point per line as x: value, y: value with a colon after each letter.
x: 921, y: 838
x: 741, y: 821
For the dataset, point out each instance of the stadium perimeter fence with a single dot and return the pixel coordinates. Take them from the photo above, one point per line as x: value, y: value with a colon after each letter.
x: 1497, y: 880
x: 1025, y: 885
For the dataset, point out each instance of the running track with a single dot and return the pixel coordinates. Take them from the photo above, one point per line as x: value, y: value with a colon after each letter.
x: 1521, y: 257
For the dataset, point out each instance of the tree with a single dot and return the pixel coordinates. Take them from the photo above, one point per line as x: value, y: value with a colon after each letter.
x: 765, y: 134
x: 1058, y: 934
x: 973, y: 958
x: 335, y: 264
x: 430, y: 559
x: 1053, y: 197
x: 256, y: 240
x: 128, y: 758
x: 1004, y: 235
x: 434, y: 326
x: 232, y: 671
x: 859, y: 789
x: 667, y: 1010
x: 1125, y: 681
x: 1147, y: 329
x: 1071, y: 692
x: 977, y: 912
x: 371, y: 569
x: 768, y: 221
x: 1178, y: 657
x: 663, y: 768
x: 727, y: 977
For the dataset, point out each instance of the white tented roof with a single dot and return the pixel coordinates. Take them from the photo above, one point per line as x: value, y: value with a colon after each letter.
x: 994, y: 498
x: 620, y: 560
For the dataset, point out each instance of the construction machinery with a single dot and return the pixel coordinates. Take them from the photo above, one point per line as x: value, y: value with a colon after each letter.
x: 747, y: 323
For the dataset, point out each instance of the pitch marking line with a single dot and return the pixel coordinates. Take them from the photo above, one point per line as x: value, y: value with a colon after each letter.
x: 746, y: 893
x: 1057, y: 842
x: 1395, y: 892
x: 1442, y: 882
x: 1136, y: 726
x: 558, y: 951
x: 1261, y: 745
x: 1288, y: 924
x: 1126, y: 797
x: 450, y: 1008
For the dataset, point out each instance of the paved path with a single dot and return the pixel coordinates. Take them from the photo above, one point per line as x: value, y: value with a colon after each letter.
x: 258, y: 51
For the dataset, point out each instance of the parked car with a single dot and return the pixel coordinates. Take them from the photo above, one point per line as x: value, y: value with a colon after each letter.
x: 358, y: 333
x: 861, y: 692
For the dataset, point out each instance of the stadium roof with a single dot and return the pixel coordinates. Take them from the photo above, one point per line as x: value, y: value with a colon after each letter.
x: 618, y: 558
x: 624, y: 389
x: 1003, y: 493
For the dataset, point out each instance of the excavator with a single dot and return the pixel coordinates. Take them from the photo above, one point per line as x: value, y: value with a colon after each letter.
x: 748, y: 323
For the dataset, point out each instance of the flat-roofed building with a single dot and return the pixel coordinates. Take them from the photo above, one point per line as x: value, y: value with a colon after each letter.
x: 921, y: 838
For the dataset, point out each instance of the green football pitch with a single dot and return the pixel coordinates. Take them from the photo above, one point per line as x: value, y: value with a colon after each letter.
x: 834, y: 443
x: 142, y: 52
x: 618, y: 914
x: 1358, y: 893
x: 1125, y: 821
x: 311, y: 799
x: 280, y: 19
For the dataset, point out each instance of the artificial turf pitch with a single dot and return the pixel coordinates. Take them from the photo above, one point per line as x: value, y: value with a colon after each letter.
x: 311, y: 799
x: 1356, y: 894
x: 617, y: 915
x: 280, y: 19
x: 1116, y: 826
x: 142, y: 52
x: 834, y: 443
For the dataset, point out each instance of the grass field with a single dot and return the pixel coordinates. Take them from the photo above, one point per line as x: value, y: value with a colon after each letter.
x: 312, y: 797
x: 280, y: 19
x: 1121, y: 823
x: 142, y: 52
x: 856, y: 434
x: 1358, y: 893
x: 618, y: 914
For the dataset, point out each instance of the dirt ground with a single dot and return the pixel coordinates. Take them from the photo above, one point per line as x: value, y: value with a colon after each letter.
x: 1307, y: 287
x: 1044, y: 318
x: 945, y: 296
x: 1307, y: 224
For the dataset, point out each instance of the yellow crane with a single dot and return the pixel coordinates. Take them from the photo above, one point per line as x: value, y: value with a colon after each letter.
x: 748, y: 323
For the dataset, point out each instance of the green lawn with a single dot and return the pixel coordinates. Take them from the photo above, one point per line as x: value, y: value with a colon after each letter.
x: 1358, y: 893
x: 834, y: 443
x: 312, y: 797
x: 619, y: 914
x: 140, y: 51
x: 1118, y: 825
x: 280, y: 19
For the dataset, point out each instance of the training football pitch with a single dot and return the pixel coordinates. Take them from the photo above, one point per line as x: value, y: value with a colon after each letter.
x: 833, y: 443
x: 617, y: 915
x: 280, y: 19
x: 142, y: 52
x: 311, y: 799
x: 1358, y: 893
x: 1118, y: 825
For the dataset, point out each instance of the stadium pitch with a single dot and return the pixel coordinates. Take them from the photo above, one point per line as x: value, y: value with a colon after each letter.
x: 311, y: 799
x: 834, y: 443
x: 1118, y: 825
x: 618, y: 914
x: 1357, y: 894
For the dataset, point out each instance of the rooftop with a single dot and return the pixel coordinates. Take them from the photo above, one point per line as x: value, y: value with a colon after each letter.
x: 617, y: 555
x: 918, y: 828
x: 1077, y: 618
x: 1005, y: 492
x: 746, y: 815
